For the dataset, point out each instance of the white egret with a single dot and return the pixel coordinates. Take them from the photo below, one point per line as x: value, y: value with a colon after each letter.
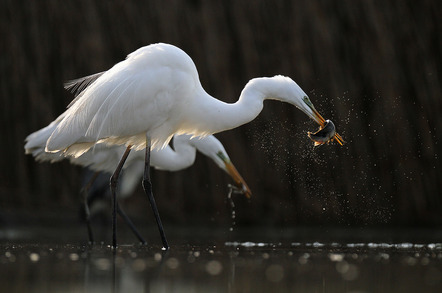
x: 154, y: 94
x: 103, y: 158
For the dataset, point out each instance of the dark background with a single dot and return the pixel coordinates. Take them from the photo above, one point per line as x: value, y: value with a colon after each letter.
x: 373, y: 67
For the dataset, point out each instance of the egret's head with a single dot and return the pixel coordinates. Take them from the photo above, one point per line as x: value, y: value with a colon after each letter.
x: 285, y: 89
x: 231, y: 170
x: 213, y: 148
x: 296, y: 96
x: 307, y: 107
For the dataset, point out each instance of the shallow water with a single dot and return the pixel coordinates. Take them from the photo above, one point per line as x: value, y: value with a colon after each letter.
x: 217, y: 260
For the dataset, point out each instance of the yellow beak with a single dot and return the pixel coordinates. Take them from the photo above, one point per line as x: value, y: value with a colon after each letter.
x: 321, y: 121
x: 237, y: 178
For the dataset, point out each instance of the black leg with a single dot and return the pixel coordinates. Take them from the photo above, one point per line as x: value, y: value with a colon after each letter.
x: 84, y: 194
x: 130, y: 224
x: 113, y: 186
x: 147, y: 186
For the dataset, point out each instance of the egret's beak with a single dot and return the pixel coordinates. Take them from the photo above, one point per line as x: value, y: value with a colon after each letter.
x: 320, y: 120
x: 230, y: 168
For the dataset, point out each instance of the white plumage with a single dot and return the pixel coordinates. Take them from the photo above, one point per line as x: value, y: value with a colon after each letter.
x: 103, y: 158
x: 143, y: 101
x: 156, y: 92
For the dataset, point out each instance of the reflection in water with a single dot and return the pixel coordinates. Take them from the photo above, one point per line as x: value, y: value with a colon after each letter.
x: 223, y: 267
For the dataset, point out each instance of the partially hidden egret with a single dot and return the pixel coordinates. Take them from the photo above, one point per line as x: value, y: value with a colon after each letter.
x: 103, y: 158
x: 156, y: 93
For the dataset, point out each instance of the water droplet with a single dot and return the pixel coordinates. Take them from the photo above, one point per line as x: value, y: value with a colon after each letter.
x: 303, y: 259
x: 411, y: 261
x: 103, y: 264
x: 336, y: 257
x: 157, y: 256
x: 74, y: 256
x: 34, y: 257
x: 214, y: 267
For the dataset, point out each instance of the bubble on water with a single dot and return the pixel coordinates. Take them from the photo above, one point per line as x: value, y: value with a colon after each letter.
x: 157, y: 256
x: 336, y: 257
x: 303, y: 259
x: 384, y: 256
x: 274, y: 273
x: 34, y: 257
x: 74, y: 256
x: 103, y: 264
x: 214, y: 267
x: 409, y: 260
x: 11, y: 257
x: 342, y: 267
x: 172, y: 263
x: 351, y: 274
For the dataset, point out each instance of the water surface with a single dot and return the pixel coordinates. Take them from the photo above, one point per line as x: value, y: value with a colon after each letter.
x: 219, y: 260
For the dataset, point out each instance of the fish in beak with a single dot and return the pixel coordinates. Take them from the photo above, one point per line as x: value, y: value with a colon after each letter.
x: 322, y: 123
x: 324, y: 134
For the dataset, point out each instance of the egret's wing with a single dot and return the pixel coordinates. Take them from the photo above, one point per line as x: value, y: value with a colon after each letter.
x: 36, y: 143
x: 143, y: 94
x: 76, y: 86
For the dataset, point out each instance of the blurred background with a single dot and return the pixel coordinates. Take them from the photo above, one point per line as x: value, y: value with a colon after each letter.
x: 373, y: 67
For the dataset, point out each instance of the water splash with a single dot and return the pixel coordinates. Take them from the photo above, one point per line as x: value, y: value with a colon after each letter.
x: 233, y: 190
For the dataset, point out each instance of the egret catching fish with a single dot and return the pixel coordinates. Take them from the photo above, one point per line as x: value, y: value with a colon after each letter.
x: 154, y: 94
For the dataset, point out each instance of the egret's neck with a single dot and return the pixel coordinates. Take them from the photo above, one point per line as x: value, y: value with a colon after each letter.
x: 174, y: 160
x: 215, y: 116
